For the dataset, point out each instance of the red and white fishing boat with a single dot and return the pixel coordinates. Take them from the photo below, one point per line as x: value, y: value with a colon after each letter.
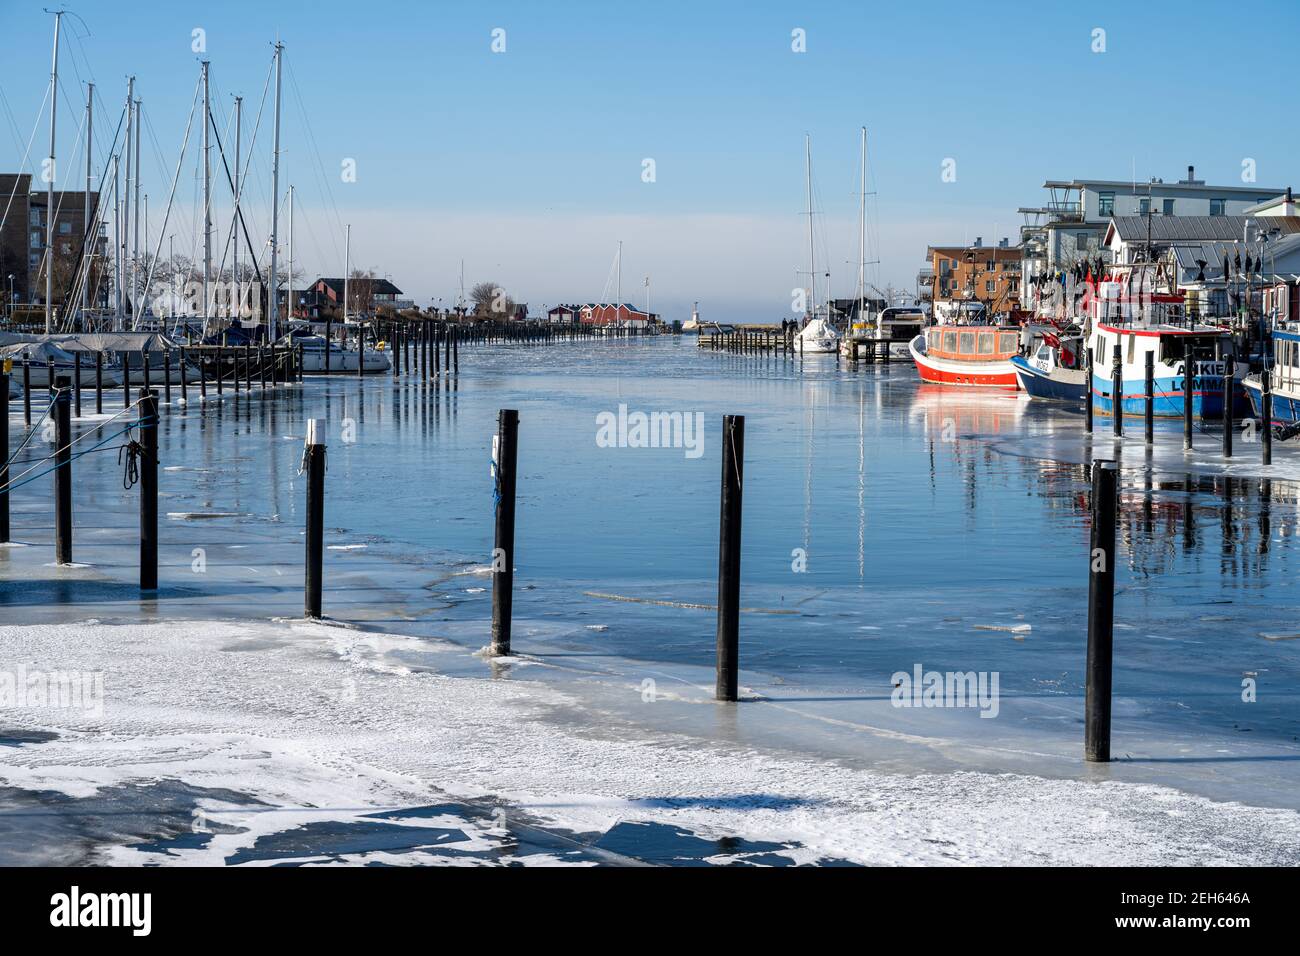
x: 978, y: 355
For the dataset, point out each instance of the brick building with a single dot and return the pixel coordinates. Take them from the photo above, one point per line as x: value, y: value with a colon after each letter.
x: 23, y: 238
x: 986, y: 274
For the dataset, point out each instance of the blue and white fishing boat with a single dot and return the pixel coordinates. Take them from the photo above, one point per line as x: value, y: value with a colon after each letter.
x: 1173, y: 346
x: 1284, y: 380
x: 1054, y: 370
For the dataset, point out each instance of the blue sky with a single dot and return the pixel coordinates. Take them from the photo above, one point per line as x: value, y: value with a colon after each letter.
x: 528, y: 163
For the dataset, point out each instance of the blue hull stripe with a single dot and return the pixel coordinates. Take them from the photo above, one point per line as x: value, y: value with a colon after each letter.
x: 1207, y: 397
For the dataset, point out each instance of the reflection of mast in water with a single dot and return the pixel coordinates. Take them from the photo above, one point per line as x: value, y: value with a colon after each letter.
x: 807, y: 484
x: 862, y: 483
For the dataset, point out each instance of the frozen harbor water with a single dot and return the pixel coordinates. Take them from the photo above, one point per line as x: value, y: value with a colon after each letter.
x: 930, y: 527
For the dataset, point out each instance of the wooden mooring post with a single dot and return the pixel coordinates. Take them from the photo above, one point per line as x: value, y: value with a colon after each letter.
x: 1087, y: 395
x: 1266, y: 414
x: 1149, y: 388
x: 1101, y: 611
x: 147, y: 417
x: 1189, y: 394
x: 99, y: 383
x: 314, y: 462
x: 61, y: 396
x: 505, y: 458
x: 1117, y: 393
x: 1229, y: 380
x: 4, y: 449
x: 728, y: 635
x: 27, y: 393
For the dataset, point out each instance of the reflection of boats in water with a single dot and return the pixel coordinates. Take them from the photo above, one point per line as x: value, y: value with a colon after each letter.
x: 975, y: 355
x: 946, y: 413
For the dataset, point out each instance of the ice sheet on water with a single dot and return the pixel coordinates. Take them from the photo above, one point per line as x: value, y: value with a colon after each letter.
x: 319, y: 724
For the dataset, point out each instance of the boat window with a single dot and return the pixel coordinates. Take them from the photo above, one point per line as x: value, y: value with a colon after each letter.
x: 986, y: 343
x: 1007, y: 342
x: 1132, y: 346
x: 1044, y: 352
x: 967, y: 343
x: 950, y: 341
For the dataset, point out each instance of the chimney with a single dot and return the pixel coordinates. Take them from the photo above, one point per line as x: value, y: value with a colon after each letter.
x: 1004, y: 242
x: 1288, y: 194
x: 979, y: 242
x: 1191, y: 174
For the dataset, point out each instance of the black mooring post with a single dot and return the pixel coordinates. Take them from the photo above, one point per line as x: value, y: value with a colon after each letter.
x: 99, y: 383
x: 203, y: 376
x: 1189, y: 396
x: 144, y: 367
x: 27, y: 393
x: 1101, y: 612
x: 503, y: 553
x: 1266, y: 414
x: 221, y: 369
x: 126, y: 379
x: 4, y: 455
x: 315, y: 459
x: 328, y: 338
x: 61, y: 396
x: 361, y: 352
x: 733, y: 478
x: 147, y: 416
x: 1117, y: 392
x: 455, y: 351
x: 1088, y: 400
x: 1228, y: 381
x: 167, y: 376
x: 76, y: 383
x: 248, y: 366
x: 185, y: 385
x: 1149, y: 377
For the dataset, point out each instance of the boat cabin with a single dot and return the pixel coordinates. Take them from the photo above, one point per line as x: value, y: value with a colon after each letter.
x: 972, y: 343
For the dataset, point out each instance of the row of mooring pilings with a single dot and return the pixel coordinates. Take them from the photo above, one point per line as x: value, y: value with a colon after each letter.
x: 1189, y: 390
x: 141, y: 465
x: 749, y: 341
x: 246, y: 368
x: 505, y: 465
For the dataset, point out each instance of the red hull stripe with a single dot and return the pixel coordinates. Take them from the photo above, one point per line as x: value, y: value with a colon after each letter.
x: 997, y: 380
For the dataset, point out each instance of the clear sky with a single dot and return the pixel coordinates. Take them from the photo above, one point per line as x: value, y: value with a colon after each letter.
x: 528, y: 163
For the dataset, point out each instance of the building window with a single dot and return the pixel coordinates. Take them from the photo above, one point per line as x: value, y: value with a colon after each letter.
x: 1106, y: 204
x: 1216, y: 207
x: 1081, y: 240
x: 65, y: 228
x: 35, y: 217
x: 988, y: 286
x: 1144, y: 207
x: 36, y: 238
x: 1169, y: 207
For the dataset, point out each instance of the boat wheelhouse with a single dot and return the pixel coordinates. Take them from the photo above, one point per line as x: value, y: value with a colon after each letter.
x: 1172, y: 348
x: 978, y: 355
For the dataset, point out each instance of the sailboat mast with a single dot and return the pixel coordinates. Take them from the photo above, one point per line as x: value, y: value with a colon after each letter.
x: 135, y: 228
x: 117, y: 248
x: 347, y: 268
x: 49, y: 179
x: 618, y: 294
x: 288, y: 308
x: 862, y: 232
x: 273, y: 295
x: 812, y: 267
x: 124, y: 233
x: 207, y: 193
x: 87, y: 230
x: 234, y: 225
